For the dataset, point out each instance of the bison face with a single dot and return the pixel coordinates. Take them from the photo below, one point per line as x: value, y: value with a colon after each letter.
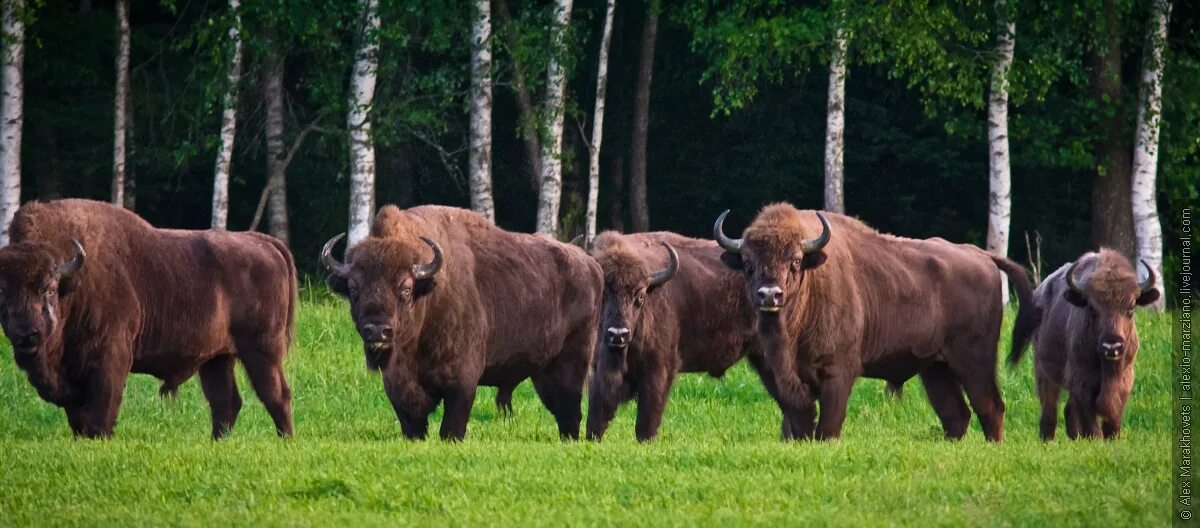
x: 32, y: 281
x: 386, y: 282
x: 627, y: 283
x: 773, y: 262
x: 1108, y: 295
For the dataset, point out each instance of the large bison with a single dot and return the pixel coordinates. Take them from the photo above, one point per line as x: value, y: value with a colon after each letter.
x: 837, y: 300
x: 1086, y: 341
x: 670, y: 306
x: 91, y: 293
x: 445, y: 302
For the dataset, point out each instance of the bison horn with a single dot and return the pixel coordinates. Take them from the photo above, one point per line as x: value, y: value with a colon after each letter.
x: 660, y: 277
x: 68, y: 269
x: 809, y: 246
x: 1148, y: 283
x: 428, y: 270
x: 1076, y: 287
x: 732, y: 245
x: 582, y: 241
x: 335, y: 267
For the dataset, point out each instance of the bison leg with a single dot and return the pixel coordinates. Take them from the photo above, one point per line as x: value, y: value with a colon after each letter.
x: 1071, y: 417
x: 602, y: 407
x: 984, y: 394
x: 457, y: 410
x: 264, y: 367
x: 1048, y: 393
x: 1111, y: 428
x: 757, y: 362
x: 76, y: 418
x: 652, y: 401
x: 561, y: 391
x: 834, y: 397
x: 504, y: 396
x: 1085, y: 416
x: 412, y: 405
x: 220, y: 389
x: 106, y: 387
x: 946, y: 397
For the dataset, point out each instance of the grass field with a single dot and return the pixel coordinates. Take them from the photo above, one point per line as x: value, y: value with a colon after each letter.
x: 718, y: 459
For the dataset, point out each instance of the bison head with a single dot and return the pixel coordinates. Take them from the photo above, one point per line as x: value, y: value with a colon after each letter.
x: 386, y: 281
x: 1105, y: 285
x: 33, y: 279
x: 774, y: 255
x: 627, y: 283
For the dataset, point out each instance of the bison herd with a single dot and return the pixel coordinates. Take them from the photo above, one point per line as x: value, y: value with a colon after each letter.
x: 445, y: 302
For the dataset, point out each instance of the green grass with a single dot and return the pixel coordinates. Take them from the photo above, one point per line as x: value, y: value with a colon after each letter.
x: 717, y: 461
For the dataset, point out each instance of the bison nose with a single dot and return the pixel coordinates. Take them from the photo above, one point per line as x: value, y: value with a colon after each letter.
x: 1112, y: 349
x: 376, y: 333
x: 770, y: 298
x: 617, y: 337
x: 26, y: 338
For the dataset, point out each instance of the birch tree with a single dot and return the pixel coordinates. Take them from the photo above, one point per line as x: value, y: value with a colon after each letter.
x: 358, y: 122
x: 639, y: 209
x: 220, y: 201
x: 1145, y: 153
x: 479, y: 160
x: 272, y: 76
x: 598, y: 121
x: 835, y: 119
x: 120, y: 103
x: 999, y: 174
x: 11, y: 113
x: 550, y: 193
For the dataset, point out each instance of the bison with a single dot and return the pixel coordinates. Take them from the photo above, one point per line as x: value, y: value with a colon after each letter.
x: 90, y: 292
x: 1086, y: 342
x: 837, y: 300
x: 445, y: 302
x: 670, y: 306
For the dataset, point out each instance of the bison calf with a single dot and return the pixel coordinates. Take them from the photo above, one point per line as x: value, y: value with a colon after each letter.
x: 91, y: 293
x: 1086, y: 342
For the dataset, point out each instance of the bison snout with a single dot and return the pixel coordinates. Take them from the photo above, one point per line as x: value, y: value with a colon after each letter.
x: 26, y: 338
x: 617, y: 337
x: 770, y: 298
x: 376, y: 333
x: 1112, y: 349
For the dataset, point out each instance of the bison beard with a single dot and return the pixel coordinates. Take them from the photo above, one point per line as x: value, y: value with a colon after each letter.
x: 445, y: 302
x: 92, y: 293
x: 837, y: 300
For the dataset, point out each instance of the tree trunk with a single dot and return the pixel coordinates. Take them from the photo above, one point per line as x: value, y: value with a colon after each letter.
x: 130, y: 192
x: 1112, y: 212
x: 640, y: 211
x: 551, y: 185
x: 277, y: 209
x: 999, y: 173
x: 835, y: 121
x: 358, y: 122
x: 593, y: 198
x: 1145, y: 153
x: 121, y: 102
x: 220, y: 202
x: 616, y: 175
x: 529, y: 122
x: 11, y: 114
x: 479, y: 161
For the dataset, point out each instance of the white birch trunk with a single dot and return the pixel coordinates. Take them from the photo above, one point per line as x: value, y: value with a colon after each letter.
x: 835, y: 122
x: 593, y: 198
x: 1145, y: 152
x: 999, y: 173
x: 220, y: 201
x: 480, y: 159
x: 277, y: 209
x: 358, y: 122
x: 11, y: 114
x: 120, y: 103
x: 551, y: 185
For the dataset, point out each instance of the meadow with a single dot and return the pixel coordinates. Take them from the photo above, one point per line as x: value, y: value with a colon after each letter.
x: 718, y: 460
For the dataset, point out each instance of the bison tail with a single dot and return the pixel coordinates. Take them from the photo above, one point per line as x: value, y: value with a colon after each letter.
x: 1029, y: 315
x: 293, y: 288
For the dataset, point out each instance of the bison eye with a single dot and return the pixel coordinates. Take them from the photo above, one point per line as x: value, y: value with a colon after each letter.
x: 639, y: 300
x: 1129, y: 312
x: 797, y: 264
x: 406, y: 292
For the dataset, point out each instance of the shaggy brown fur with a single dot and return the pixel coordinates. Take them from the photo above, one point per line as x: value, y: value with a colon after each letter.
x: 1068, y: 351
x: 504, y: 307
x: 875, y: 305
x: 163, y: 302
x: 699, y: 321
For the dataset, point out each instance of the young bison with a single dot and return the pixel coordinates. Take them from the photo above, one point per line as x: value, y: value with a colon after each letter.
x: 1086, y: 342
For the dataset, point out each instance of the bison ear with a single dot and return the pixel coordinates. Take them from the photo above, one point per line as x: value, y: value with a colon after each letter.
x: 1148, y: 297
x: 733, y: 260
x: 1075, y: 298
x: 423, y: 287
x: 814, y: 259
x: 338, y: 284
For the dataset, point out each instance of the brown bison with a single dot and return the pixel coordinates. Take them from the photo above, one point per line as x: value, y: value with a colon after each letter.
x: 837, y: 300
x: 91, y: 293
x: 1086, y: 341
x: 445, y: 302
x: 670, y: 306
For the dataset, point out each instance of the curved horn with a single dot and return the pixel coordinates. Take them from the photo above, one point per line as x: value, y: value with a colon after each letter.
x: 1148, y: 283
x: 68, y: 269
x: 428, y: 270
x: 1075, y: 287
x: 580, y: 240
x: 335, y: 267
x: 732, y: 245
x: 809, y: 246
x: 659, y: 277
